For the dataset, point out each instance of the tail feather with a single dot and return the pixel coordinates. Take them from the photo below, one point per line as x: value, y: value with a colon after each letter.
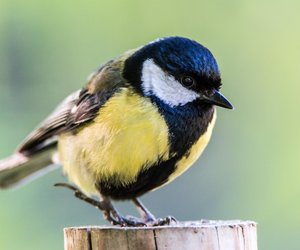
x: 20, y: 168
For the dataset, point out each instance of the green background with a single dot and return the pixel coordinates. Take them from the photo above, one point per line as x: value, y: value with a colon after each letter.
x: 250, y: 169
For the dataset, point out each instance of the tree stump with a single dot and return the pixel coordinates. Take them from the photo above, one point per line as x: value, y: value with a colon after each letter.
x: 204, y: 235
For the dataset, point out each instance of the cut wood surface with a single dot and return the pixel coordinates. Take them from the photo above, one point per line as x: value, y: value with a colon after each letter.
x: 204, y: 235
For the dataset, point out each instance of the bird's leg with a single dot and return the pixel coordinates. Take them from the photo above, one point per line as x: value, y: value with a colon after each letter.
x: 105, y: 205
x: 146, y: 215
x: 149, y: 218
x: 118, y: 219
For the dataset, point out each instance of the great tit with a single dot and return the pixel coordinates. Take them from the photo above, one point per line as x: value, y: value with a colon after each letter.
x: 142, y: 119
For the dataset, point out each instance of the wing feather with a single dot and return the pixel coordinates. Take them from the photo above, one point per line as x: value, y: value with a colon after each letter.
x: 50, y: 126
x: 78, y: 108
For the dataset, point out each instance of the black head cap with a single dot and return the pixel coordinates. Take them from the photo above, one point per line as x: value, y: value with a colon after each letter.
x: 190, y: 63
x: 177, y: 56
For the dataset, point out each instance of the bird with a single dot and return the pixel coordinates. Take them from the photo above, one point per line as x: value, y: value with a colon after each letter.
x: 141, y: 120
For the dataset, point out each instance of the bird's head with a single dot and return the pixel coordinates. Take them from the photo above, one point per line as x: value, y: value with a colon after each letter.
x: 177, y: 71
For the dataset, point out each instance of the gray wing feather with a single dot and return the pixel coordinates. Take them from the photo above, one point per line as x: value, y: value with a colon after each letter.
x: 48, y: 128
x: 78, y: 108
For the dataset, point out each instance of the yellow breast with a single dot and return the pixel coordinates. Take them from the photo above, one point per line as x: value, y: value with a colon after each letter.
x: 127, y: 135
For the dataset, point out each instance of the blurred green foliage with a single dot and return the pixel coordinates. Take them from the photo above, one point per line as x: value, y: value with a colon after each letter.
x: 250, y: 170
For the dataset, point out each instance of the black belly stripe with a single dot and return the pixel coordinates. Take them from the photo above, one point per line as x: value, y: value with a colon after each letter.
x: 186, y: 124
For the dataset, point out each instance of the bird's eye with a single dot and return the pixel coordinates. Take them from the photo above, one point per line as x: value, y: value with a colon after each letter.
x: 187, y: 81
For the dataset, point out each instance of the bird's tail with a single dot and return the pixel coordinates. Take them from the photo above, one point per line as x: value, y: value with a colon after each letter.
x: 20, y: 168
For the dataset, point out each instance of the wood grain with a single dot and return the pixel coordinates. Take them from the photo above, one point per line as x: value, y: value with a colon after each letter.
x: 203, y: 235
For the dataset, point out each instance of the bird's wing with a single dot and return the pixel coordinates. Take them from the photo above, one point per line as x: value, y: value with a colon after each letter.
x: 78, y: 108
x: 45, y: 132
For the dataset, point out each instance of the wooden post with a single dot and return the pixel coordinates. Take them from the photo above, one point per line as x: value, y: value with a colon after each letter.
x: 203, y: 235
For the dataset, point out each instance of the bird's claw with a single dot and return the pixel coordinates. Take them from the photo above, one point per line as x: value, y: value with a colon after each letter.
x: 132, y: 221
x: 163, y: 222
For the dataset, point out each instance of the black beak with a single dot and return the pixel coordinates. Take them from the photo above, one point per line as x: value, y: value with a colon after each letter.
x: 217, y: 99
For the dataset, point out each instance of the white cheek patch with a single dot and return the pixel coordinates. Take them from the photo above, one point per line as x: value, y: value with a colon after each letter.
x: 156, y: 82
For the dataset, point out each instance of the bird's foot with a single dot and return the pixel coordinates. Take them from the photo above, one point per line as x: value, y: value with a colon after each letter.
x: 148, y: 218
x: 131, y: 221
x: 163, y: 222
